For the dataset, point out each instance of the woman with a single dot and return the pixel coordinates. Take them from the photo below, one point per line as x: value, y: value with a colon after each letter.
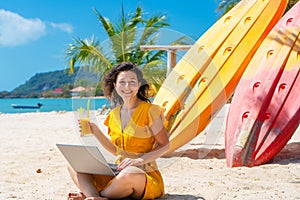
x: 137, y: 136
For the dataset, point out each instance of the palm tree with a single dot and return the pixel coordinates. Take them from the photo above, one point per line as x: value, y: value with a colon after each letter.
x: 291, y: 4
x: 124, y: 40
x: 226, y: 5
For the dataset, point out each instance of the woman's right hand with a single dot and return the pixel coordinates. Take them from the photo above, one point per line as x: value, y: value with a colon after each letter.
x: 87, y: 127
x: 94, y: 127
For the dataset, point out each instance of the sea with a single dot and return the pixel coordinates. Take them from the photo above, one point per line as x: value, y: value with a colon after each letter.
x: 52, y: 104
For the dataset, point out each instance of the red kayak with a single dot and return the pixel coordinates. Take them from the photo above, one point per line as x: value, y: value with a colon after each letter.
x: 265, y: 109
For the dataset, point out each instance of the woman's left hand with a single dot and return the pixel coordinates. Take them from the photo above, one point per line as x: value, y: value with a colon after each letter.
x: 130, y: 162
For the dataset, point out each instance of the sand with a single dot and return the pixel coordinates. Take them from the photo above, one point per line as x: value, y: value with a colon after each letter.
x: 33, y: 168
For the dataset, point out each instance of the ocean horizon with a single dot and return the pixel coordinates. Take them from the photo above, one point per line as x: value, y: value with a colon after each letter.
x: 51, y: 104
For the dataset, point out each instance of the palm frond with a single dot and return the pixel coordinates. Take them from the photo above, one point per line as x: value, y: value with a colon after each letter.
x: 226, y: 5
x: 123, y: 44
x: 88, y: 53
x: 151, y: 27
x: 183, y: 40
x: 106, y: 23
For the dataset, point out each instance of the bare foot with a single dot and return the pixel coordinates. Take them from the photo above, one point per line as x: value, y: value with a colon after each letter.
x: 81, y: 196
x: 96, y: 198
x: 76, y: 196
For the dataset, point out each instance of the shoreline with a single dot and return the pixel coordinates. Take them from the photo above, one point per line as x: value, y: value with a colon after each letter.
x: 33, y: 167
x: 51, y: 104
x: 75, y: 97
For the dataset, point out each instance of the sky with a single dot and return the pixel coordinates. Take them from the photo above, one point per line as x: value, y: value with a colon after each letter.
x: 35, y: 34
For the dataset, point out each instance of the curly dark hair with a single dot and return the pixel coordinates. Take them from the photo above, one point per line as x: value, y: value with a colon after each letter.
x: 109, y: 80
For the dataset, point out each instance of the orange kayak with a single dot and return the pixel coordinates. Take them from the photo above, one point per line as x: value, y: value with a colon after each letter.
x: 205, y: 78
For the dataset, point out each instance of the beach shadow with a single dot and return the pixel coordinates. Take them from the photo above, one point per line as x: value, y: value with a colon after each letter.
x: 289, y: 154
x: 177, y: 197
x: 200, y: 153
x: 182, y: 197
x: 287, y: 38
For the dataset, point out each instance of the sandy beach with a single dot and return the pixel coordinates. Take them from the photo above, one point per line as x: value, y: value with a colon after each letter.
x: 33, y: 168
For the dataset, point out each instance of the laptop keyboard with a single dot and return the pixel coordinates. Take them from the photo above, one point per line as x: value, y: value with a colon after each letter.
x: 114, y: 168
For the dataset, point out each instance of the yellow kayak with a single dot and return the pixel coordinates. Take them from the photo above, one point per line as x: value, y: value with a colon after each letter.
x: 205, y: 78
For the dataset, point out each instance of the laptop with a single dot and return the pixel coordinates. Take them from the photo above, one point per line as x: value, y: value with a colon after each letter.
x: 87, y: 159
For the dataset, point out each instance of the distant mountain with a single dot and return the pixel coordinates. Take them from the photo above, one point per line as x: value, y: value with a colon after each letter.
x: 49, y: 81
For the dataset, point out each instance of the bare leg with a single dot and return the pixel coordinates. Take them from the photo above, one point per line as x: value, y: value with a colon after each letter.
x: 130, y: 182
x: 85, y: 183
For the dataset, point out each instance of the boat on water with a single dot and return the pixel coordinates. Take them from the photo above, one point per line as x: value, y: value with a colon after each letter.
x: 16, y: 106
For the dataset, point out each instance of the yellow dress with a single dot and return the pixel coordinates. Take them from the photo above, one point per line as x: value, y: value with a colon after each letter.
x: 136, y: 139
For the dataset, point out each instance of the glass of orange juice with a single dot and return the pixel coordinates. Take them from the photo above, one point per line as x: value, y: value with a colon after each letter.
x: 84, y: 118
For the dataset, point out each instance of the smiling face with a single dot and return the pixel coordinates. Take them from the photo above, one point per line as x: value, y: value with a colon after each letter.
x: 127, y: 85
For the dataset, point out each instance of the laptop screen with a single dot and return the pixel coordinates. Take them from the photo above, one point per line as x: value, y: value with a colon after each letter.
x: 87, y: 159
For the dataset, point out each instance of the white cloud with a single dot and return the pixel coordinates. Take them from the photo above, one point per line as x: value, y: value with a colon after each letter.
x: 63, y: 26
x: 16, y: 30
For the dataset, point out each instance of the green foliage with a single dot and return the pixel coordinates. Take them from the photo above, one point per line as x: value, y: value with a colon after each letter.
x: 291, y: 3
x: 43, y: 84
x: 226, y: 5
x: 124, y: 39
x: 123, y: 44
